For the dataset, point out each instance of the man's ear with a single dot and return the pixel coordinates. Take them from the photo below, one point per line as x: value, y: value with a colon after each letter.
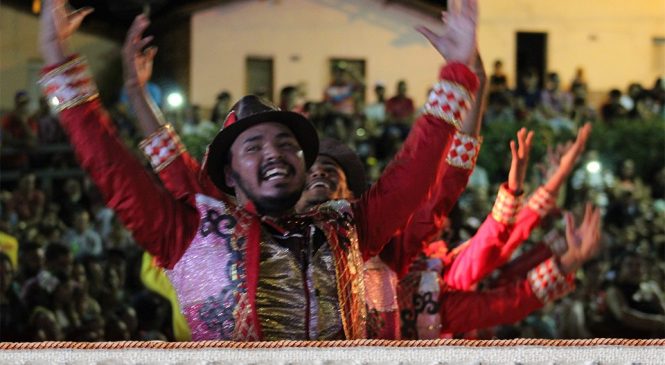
x: 228, y: 176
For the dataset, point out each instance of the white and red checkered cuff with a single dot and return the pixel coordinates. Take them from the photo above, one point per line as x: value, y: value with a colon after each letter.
x: 548, y: 283
x: 506, y: 206
x: 450, y: 102
x: 542, y: 201
x: 464, y: 151
x: 162, y: 147
x: 556, y: 242
x: 69, y: 84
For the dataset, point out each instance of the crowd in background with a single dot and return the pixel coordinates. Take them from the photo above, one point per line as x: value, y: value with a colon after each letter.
x: 69, y: 270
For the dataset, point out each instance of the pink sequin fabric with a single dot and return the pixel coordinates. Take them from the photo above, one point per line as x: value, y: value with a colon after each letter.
x: 209, y: 276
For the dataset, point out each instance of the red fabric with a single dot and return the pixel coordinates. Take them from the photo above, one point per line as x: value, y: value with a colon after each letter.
x: 461, y: 74
x: 478, y: 257
x: 427, y: 220
x: 525, y: 262
x: 182, y: 179
x: 163, y: 225
x: 384, y: 210
x: 464, y: 311
x: 527, y: 220
x: 491, y: 247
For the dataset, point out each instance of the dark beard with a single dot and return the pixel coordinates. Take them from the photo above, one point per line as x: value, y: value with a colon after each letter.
x: 271, y: 206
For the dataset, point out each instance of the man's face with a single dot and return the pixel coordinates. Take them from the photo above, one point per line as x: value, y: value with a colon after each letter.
x: 326, y: 181
x: 267, y: 167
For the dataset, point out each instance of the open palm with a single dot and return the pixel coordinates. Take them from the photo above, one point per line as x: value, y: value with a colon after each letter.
x: 457, y: 43
x: 583, y: 241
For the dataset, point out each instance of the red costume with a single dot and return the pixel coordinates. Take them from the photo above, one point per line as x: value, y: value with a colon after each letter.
x: 225, y: 261
x: 422, y: 315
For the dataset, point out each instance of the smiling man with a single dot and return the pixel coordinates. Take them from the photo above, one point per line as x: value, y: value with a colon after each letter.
x: 241, y: 267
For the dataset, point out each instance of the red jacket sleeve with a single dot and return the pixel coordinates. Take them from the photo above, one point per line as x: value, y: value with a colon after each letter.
x: 480, y: 255
x: 385, y: 208
x: 423, y: 226
x: 539, y: 205
x: 463, y: 311
x: 161, y: 224
x: 179, y: 172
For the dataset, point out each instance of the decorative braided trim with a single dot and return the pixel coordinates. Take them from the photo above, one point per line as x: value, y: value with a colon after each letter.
x: 48, y: 345
x: 162, y: 147
x: 556, y: 242
x: 69, y: 85
x: 548, y: 282
x: 542, y: 201
x: 449, y: 101
x: 506, y: 206
x: 464, y: 150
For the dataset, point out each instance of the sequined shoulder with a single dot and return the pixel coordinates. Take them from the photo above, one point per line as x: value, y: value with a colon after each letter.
x: 207, y: 202
x: 337, y: 207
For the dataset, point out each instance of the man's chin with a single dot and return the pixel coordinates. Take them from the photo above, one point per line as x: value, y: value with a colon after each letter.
x: 276, y: 204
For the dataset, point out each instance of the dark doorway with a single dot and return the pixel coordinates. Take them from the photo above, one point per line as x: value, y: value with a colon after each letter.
x: 259, y: 76
x: 531, y: 55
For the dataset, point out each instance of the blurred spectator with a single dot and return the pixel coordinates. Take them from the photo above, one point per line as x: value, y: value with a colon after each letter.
x: 375, y: 113
x: 72, y: 200
x: 579, y: 81
x: 632, y: 309
x: 196, y: 125
x: 612, y: 109
x: 221, y: 108
x: 527, y: 95
x: 341, y: 100
x: 82, y: 238
x: 31, y: 261
x: 555, y: 103
x: 582, y: 112
x: 498, y: 80
x: 19, y: 130
x: 12, y: 313
x: 49, y: 126
x: 400, y: 108
x: 27, y: 201
x: 288, y: 98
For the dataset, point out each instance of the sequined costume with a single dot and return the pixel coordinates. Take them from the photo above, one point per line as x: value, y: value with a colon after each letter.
x: 215, y: 252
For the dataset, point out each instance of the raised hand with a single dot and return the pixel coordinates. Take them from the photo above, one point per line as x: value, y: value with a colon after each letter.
x: 136, y: 59
x: 458, y: 42
x: 583, y: 241
x: 568, y: 159
x: 57, y: 24
x: 520, y: 160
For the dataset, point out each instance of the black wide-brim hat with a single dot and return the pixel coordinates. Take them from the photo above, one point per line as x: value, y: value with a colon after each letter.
x: 348, y: 160
x: 246, y: 113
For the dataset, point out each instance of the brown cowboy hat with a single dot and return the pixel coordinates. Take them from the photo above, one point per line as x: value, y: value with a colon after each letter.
x: 349, y: 161
x: 248, y: 112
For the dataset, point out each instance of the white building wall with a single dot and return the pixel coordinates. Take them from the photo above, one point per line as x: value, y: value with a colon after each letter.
x: 611, y: 40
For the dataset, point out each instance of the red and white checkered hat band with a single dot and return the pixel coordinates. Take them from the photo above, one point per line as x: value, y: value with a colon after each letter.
x: 449, y: 101
x: 464, y: 151
x: 69, y: 85
x: 548, y: 282
x: 506, y: 206
x: 542, y: 201
x: 162, y: 147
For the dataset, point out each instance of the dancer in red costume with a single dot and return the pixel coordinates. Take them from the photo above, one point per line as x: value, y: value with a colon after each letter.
x: 240, y: 269
x: 380, y: 281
